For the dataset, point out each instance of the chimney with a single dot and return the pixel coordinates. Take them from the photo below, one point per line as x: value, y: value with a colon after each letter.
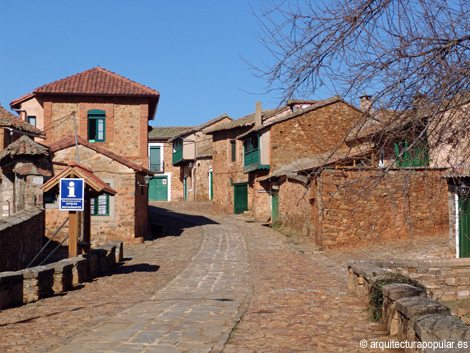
x: 258, y: 121
x: 365, y: 104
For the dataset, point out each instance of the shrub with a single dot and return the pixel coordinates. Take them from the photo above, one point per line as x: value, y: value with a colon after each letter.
x: 376, y: 298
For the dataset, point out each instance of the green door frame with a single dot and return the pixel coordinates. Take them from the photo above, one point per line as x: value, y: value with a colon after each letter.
x: 464, y: 226
x: 240, y: 204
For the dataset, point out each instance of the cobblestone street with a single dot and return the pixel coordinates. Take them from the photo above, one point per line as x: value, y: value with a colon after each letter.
x: 185, y: 291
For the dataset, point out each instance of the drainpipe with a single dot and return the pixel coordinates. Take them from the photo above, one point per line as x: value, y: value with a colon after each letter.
x: 22, y: 111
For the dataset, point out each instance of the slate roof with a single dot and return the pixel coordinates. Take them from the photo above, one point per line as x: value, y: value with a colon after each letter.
x: 167, y: 132
x: 247, y: 120
x: 9, y: 120
x: 69, y: 141
x: 96, y: 81
x: 202, y: 126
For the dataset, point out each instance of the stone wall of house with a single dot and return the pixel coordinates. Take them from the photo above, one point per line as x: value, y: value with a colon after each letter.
x: 20, y: 192
x: 259, y: 196
x: 293, y: 206
x: 121, y: 222
x: 21, y: 237
x: 201, y: 179
x: 126, y: 126
x: 362, y: 206
x: 225, y: 171
x: 168, y: 167
x: 315, y: 132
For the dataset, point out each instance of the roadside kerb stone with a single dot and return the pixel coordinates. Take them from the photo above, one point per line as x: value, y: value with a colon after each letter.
x: 391, y: 293
x: 38, y: 282
x: 441, y: 328
x: 411, y: 307
x: 11, y: 289
x: 63, y: 276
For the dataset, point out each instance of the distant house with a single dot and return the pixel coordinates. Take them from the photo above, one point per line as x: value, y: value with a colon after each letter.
x: 13, y: 127
x: 111, y: 115
x: 259, y: 144
x: 192, y: 153
x: 167, y: 183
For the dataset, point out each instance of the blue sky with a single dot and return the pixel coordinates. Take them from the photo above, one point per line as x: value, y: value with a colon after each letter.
x: 190, y: 51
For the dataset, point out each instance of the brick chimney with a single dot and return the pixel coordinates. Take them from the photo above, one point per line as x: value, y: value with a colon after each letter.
x: 258, y: 121
x: 365, y: 104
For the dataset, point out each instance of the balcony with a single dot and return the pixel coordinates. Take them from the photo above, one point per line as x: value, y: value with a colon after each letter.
x: 156, y: 167
x: 177, y: 157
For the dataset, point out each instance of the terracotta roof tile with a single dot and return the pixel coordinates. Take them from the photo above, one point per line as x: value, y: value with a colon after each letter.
x: 96, y: 81
x: 69, y: 141
x: 24, y: 146
x: 9, y: 120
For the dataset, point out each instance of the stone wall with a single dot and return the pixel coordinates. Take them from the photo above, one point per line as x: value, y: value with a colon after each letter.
x: 176, y: 178
x: 35, y: 283
x: 201, y: 179
x: 225, y: 171
x: 419, y: 323
x: 367, y: 205
x: 294, y: 206
x: 124, y: 222
x: 126, y: 125
x: 313, y: 133
x: 21, y: 237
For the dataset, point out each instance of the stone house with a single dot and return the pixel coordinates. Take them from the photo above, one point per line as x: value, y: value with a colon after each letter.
x: 192, y: 153
x: 13, y: 127
x: 111, y: 115
x: 375, y: 188
x: 253, y: 147
x: 167, y: 183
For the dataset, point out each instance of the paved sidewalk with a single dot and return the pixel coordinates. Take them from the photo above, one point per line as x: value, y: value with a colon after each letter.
x: 194, y: 313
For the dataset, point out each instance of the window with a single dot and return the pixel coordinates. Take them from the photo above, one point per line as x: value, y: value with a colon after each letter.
x: 156, y: 164
x: 417, y: 156
x: 251, y: 150
x: 96, y: 125
x: 233, y: 149
x: 100, y: 205
x: 32, y: 120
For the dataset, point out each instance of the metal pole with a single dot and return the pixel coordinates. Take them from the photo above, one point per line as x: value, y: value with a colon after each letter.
x: 76, y: 139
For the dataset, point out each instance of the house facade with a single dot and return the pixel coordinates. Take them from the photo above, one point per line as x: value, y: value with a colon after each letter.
x: 193, y: 154
x: 167, y: 183
x: 261, y: 143
x: 110, y: 115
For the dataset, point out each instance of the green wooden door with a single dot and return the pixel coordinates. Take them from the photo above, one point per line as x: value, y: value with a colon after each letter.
x: 185, y: 188
x: 158, y: 188
x: 240, y: 198
x: 211, y: 185
x: 275, y: 206
x: 464, y: 227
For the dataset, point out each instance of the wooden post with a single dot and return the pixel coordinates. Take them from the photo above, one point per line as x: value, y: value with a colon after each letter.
x: 86, y: 225
x: 73, y: 233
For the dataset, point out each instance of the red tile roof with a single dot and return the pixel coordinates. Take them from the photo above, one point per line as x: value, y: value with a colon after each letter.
x: 69, y: 141
x: 79, y: 171
x: 24, y: 146
x: 9, y: 120
x: 96, y: 81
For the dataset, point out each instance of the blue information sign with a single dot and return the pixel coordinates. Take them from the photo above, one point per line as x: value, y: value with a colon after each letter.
x: 72, y: 194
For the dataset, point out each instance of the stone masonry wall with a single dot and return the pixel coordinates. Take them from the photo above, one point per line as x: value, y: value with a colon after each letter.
x: 201, y: 180
x: 21, y: 237
x: 359, y: 206
x: 126, y: 131
x: 315, y: 132
x: 224, y: 170
x: 293, y: 208
x: 176, y: 180
x: 121, y: 222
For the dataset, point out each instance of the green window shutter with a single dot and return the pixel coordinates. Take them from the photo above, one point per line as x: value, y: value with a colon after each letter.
x: 233, y: 147
x: 155, y: 162
x: 99, y: 206
x: 96, y: 125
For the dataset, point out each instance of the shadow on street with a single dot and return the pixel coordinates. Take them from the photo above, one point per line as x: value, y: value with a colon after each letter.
x: 165, y: 222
